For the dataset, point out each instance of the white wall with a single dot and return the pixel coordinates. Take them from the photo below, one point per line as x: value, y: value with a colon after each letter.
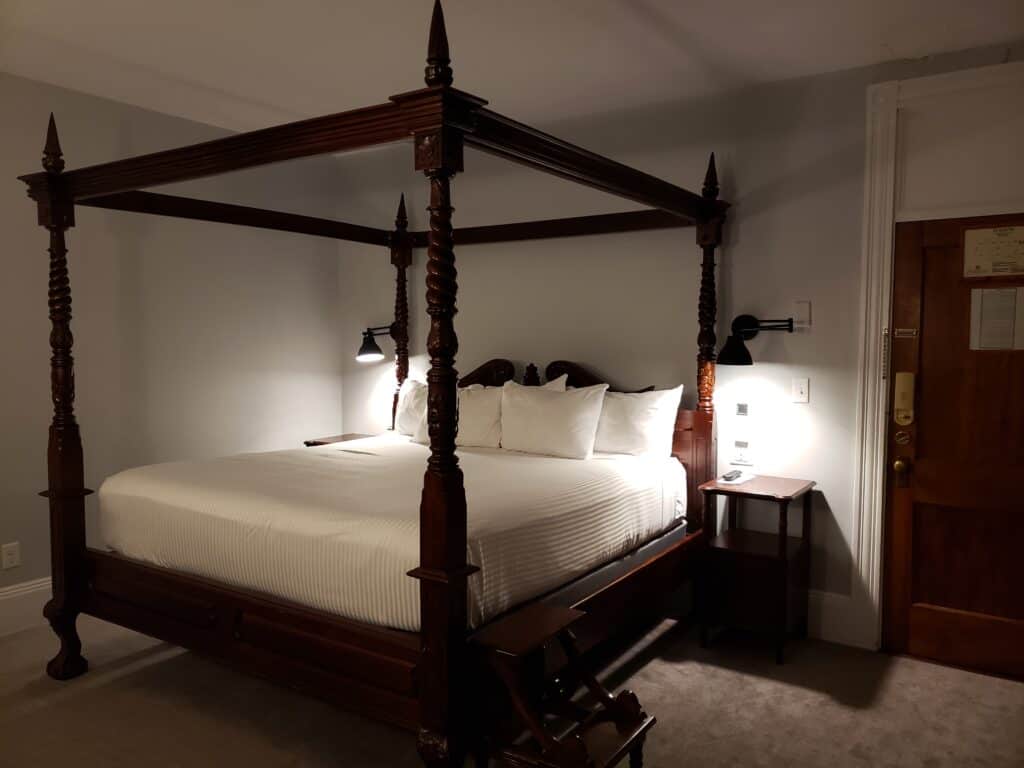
x: 791, y: 160
x: 191, y: 339
x: 958, y: 144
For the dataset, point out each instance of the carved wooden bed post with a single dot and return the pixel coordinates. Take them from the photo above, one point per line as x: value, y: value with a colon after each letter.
x: 709, y: 237
x: 65, y: 466
x: 443, y: 570
x: 401, y: 258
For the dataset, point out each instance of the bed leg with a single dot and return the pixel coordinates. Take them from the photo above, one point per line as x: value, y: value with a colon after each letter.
x: 436, y: 751
x: 69, y: 662
x: 636, y: 757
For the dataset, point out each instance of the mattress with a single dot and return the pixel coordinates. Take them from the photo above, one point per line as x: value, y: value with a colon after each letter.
x: 336, y: 527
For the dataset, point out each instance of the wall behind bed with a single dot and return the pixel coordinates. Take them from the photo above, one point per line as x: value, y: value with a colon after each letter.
x: 791, y: 159
x: 192, y: 339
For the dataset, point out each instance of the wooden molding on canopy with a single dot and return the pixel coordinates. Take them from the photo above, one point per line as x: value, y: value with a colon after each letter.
x: 226, y: 213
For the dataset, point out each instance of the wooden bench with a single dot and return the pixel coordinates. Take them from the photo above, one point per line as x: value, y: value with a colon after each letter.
x: 599, y: 736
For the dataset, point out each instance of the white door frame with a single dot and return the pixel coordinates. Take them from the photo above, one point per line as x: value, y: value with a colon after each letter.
x: 881, y: 212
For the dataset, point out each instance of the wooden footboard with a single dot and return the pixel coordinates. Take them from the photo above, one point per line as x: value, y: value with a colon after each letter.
x: 368, y: 669
x: 365, y: 668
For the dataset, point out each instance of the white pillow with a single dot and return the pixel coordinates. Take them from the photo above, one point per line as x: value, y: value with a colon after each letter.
x: 422, y: 433
x: 479, y: 417
x: 412, y: 406
x: 555, y: 385
x: 549, y: 422
x: 479, y: 413
x: 558, y: 385
x: 638, y: 422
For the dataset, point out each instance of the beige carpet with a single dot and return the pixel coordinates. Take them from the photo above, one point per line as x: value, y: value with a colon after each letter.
x: 148, y: 704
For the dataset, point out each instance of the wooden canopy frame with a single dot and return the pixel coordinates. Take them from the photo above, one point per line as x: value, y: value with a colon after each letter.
x: 420, y: 680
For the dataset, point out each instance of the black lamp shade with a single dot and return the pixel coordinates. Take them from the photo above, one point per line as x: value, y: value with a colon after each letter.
x: 744, y: 328
x: 369, y: 350
x: 735, y: 352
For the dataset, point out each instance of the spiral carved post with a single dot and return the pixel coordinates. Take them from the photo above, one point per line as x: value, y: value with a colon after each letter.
x: 709, y: 237
x: 443, y: 571
x: 66, y: 473
x: 401, y: 258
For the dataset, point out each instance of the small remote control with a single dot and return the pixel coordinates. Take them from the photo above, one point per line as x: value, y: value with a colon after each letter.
x: 732, y: 475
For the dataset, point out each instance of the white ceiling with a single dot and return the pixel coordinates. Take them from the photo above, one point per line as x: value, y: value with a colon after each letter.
x: 242, y: 64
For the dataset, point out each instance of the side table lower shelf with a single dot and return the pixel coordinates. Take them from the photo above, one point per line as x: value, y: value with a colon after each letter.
x: 756, y: 580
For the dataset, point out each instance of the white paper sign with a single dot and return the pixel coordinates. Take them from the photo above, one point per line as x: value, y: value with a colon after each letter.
x: 997, y: 318
x: 995, y: 251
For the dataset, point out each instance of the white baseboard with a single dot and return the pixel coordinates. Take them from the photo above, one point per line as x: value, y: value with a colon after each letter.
x: 21, y: 605
x: 840, y: 619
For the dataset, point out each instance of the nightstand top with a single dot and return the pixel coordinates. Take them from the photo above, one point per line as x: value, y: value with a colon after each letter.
x: 761, y: 487
x: 334, y: 439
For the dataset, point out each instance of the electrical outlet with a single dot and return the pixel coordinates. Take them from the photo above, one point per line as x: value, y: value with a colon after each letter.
x: 800, y: 390
x: 741, y: 453
x: 10, y: 555
x: 742, y: 409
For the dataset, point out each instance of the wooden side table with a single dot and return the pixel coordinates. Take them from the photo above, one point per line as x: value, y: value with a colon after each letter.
x: 334, y: 439
x: 755, y: 580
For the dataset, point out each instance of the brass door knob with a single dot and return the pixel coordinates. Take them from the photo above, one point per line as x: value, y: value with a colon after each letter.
x: 901, y: 465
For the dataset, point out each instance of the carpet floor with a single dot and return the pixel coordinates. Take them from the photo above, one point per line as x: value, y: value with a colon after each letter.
x: 145, y: 703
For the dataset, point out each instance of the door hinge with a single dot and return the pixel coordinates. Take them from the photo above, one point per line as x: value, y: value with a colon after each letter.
x: 885, y: 354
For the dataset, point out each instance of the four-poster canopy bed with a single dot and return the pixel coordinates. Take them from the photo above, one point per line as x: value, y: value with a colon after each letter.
x: 425, y: 679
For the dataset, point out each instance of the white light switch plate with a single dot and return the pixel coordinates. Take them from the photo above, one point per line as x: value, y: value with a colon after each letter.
x: 800, y: 390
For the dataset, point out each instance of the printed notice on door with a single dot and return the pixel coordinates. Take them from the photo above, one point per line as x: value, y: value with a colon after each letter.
x: 997, y: 318
x: 994, y: 252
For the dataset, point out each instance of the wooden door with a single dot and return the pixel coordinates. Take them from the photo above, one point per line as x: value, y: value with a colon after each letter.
x: 954, y: 533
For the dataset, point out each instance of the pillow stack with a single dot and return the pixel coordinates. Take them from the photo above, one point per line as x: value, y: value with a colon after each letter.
x: 479, y: 414
x: 551, y: 420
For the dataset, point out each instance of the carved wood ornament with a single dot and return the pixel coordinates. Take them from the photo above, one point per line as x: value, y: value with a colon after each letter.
x: 401, y: 259
x: 443, y: 571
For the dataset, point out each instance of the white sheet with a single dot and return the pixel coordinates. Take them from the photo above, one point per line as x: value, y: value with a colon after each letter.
x: 336, y: 527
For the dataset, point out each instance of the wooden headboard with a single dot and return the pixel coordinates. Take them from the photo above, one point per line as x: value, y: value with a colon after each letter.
x: 692, y: 441
x: 493, y: 373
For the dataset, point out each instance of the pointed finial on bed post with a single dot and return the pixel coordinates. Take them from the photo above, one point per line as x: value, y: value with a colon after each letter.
x: 438, y: 72
x: 53, y: 157
x: 710, y: 190
x: 401, y: 219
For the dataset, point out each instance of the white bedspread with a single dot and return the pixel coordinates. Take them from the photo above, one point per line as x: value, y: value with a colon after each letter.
x: 336, y: 527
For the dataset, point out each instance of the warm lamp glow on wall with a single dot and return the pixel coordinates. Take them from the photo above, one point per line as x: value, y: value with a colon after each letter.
x: 369, y: 350
x: 744, y: 328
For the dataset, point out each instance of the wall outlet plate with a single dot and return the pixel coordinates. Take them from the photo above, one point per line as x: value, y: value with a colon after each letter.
x: 741, y: 454
x: 742, y: 409
x: 10, y: 555
x: 800, y: 390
